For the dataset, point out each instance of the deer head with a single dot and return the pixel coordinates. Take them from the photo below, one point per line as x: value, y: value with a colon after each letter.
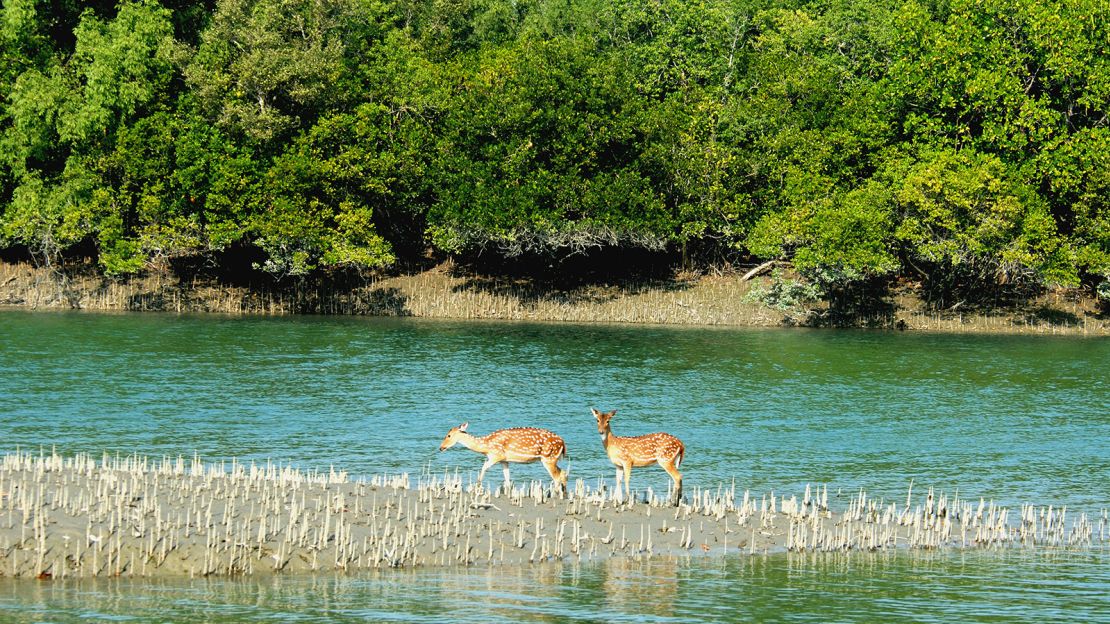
x: 453, y: 436
x: 603, y: 421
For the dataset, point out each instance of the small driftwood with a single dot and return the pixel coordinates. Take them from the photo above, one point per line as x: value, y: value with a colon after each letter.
x: 757, y: 270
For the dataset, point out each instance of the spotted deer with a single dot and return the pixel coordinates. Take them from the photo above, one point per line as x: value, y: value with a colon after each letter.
x: 519, y: 445
x: 644, y: 450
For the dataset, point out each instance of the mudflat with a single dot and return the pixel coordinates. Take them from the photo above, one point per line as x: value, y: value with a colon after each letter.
x: 446, y: 292
x: 134, y: 516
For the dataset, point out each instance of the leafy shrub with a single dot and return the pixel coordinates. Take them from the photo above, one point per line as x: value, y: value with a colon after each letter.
x: 785, y: 294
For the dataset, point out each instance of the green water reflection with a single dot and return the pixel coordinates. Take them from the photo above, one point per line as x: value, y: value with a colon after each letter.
x: 1001, y: 586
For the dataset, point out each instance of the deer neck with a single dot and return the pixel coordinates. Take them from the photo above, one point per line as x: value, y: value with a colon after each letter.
x: 473, y: 443
x: 606, y: 437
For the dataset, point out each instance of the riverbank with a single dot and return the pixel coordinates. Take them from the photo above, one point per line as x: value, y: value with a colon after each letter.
x: 445, y: 292
x: 63, y: 517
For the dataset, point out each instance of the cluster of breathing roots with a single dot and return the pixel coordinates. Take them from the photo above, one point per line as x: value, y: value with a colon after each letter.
x: 134, y: 516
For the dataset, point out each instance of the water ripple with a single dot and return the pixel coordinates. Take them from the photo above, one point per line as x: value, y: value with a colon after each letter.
x: 1013, y: 418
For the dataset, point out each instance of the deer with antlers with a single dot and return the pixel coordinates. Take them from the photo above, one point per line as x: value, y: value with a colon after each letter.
x: 627, y: 453
x: 518, y: 445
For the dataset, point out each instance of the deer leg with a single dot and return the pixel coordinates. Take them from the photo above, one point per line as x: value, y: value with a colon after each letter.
x: 677, y: 476
x: 505, y: 466
x: 485, y: 467
x: 557, y: 475
x: 618, y: 493
x: 628, y: 480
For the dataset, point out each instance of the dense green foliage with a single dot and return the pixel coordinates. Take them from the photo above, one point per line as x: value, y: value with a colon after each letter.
x: 953, y: 141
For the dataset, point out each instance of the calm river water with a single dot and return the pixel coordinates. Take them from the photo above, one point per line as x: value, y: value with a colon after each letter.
x: 1010, y: 418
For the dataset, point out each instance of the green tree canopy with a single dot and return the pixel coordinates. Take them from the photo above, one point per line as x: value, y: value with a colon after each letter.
x: 857, y: 140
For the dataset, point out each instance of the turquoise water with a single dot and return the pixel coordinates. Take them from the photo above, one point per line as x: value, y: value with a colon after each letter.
x: 1013, y: 418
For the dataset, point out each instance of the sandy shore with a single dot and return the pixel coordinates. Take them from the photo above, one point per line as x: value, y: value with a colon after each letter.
x: 135, y: 516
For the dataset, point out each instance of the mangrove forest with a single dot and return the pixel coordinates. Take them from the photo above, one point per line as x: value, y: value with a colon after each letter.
x: 961, y: 144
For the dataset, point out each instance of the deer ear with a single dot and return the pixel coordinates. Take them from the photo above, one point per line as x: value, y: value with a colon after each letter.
x: 462, y: 427
x: 612, y: 413
x: 596, y: 413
